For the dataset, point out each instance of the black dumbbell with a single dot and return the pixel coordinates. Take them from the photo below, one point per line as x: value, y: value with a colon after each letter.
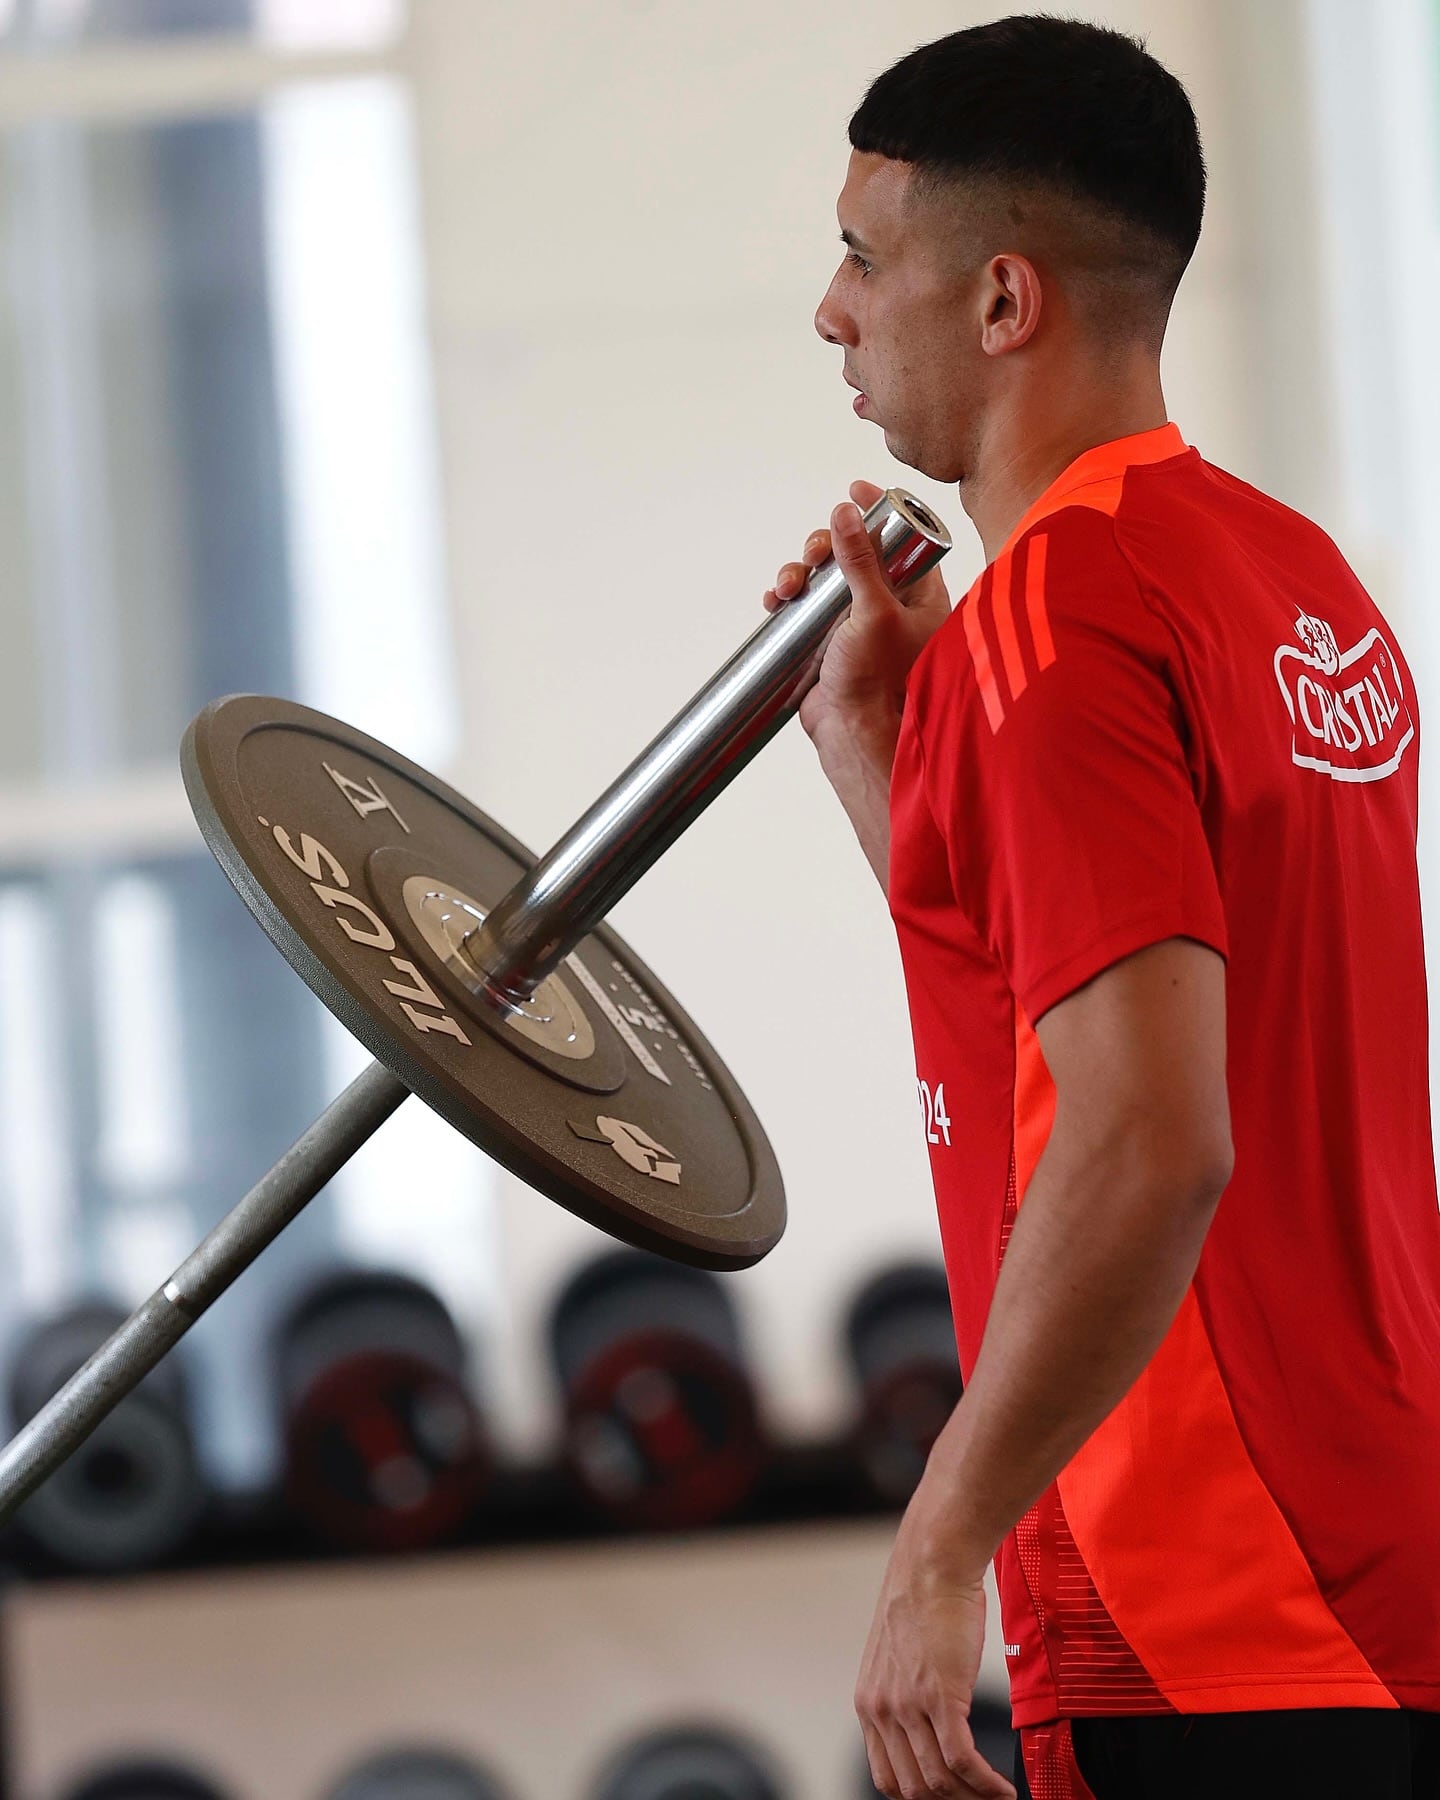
x: 690, y: 1762
x: 384, y: 1446
x: 661, y: 1425
x: 901, y: 1341
x: 132, y: 1495
x: 415, y: 1773
x: 145, y: 1780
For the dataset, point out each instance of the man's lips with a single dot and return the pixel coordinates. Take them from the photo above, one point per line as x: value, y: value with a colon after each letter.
x: 859, y: 402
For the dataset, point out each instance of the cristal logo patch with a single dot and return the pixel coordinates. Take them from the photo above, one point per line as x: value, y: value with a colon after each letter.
x: 1348, y: 711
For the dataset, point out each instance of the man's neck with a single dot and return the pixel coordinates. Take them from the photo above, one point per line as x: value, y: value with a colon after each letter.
x: 1029, y: 447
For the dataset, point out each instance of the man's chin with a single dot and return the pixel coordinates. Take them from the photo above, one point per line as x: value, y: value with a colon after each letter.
x: 895, y: 443
x: 935, y: 465
x: 907, y: 452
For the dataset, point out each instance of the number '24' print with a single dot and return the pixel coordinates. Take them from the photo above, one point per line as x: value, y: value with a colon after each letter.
x: 937, y: 1120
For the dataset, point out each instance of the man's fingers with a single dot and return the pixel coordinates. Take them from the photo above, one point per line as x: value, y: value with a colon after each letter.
x: 939, y: 1778
x: 977, y: 1778
x: 957, y: 1749
x: 911, y: 1759
x: 848, y: 533
x: 791, y: 578
x: 856, y: 556
x: 818, y: 548
x: 882, y: 1772
x: 906, y: 1774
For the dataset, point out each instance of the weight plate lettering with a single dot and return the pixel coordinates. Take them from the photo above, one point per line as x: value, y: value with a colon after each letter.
x: 336, y: 843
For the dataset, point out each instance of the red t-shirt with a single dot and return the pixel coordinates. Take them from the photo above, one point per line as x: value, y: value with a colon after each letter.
x: 1168, y: 708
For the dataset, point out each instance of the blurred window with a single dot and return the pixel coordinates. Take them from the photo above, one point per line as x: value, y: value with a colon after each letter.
x: 212, y: 346
x: 155, y: 1055
x: 279, y: 24
x: 218, y: 476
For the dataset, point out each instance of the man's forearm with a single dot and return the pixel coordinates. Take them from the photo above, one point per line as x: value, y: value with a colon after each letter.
x: 1097, y: 1266
x: 857, y: 760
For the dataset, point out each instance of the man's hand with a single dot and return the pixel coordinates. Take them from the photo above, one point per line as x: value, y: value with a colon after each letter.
x: 853, y: 711
x: 871, y: 652
x: 918, y: 1677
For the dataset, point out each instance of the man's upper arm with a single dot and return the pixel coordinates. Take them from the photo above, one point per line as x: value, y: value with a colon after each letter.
x: 1137, y: 1057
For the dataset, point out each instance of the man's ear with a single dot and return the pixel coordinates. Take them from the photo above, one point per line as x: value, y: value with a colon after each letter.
x: 1012, y: 300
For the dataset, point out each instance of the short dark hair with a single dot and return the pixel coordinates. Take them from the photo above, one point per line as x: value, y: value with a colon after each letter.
x: 1058, y: 103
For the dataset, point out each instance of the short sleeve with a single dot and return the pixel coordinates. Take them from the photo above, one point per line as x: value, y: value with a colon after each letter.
x: 1056, y: 764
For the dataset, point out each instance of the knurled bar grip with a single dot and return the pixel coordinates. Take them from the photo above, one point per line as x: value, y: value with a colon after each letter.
x: 155, y: 1327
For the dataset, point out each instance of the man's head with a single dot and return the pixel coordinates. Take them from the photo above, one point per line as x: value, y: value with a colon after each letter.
x: 1022, y: 200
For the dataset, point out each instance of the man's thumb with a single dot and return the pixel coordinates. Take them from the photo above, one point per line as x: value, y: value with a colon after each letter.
x: 856, y: 555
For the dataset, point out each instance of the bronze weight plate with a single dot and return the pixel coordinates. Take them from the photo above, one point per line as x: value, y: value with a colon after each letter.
x: 360, y: 865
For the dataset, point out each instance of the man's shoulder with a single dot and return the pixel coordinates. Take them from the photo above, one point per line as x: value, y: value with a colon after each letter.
x: 1031, y: 625
x: 1173, y: 522
x: 1068, y: 562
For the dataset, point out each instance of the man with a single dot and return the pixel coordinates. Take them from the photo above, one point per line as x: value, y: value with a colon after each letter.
x: 1145, y: 808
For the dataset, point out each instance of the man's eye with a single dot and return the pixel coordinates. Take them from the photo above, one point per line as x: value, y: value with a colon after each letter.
x: 857, y: 261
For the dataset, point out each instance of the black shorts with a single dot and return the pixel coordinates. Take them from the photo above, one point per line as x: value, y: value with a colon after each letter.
x: 1331, y: 1754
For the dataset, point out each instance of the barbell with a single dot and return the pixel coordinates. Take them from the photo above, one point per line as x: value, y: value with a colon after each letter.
x: 484, y: 980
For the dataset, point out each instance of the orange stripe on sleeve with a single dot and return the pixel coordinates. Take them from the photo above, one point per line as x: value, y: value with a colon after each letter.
x: 980, y: 656
x: 1004, y: 575
x: 1035, y: 600
x: 1034, y: 1105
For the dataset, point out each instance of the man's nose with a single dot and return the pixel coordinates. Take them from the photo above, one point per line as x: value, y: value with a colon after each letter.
x: 832, y: 321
